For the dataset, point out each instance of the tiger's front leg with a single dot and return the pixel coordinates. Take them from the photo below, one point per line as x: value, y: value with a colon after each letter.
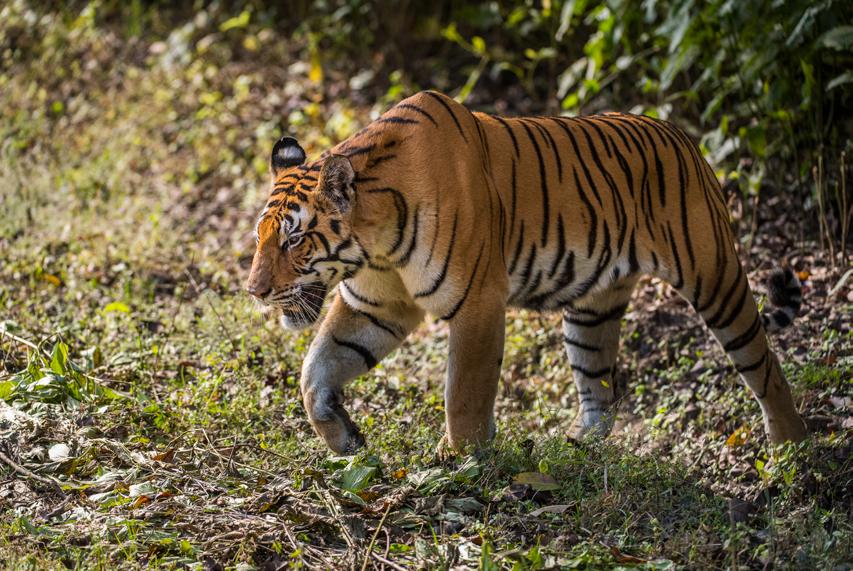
x: 473, y: 370
x: 359, y: 330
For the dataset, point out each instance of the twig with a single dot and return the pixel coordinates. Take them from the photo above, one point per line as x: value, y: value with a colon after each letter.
x: 54, y: 485
x: 845, y: 212
x: 330, y: 505
x: 19, y: 340
x: 58, y: 510
x: 373, y: 539
x: 387, y: 562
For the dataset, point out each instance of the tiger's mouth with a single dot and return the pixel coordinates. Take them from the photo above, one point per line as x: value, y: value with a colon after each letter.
x: 302, y: 308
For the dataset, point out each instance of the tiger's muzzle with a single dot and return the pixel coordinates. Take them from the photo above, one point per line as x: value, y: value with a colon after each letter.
x: 300, y: 305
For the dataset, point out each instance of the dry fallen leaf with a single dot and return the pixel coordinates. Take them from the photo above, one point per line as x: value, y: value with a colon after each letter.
x: 140, y: 501
x: 738, y: 437
x: 166, y: 456
x: 554, y: 509
x: 625, y: 558
x: 52, y: 279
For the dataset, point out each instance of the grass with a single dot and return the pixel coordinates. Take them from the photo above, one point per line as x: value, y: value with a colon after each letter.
x: 136, y: 376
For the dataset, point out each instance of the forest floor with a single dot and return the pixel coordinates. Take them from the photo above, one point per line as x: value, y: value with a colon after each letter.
x: 150, y: 416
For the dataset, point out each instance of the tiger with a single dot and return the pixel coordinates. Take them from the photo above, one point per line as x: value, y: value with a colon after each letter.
x: 433, y: 208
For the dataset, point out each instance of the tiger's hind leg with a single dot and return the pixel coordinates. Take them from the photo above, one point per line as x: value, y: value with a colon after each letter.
x: 591, y: 336
x: 731, y: 314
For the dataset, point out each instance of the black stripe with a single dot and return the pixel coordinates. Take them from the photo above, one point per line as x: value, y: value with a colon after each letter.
x: 679, y: 283
x: 322, y: 239
x: 746, y: 338
x: 397, y: 120
x: 561, y: 247
x: 592, y: 374
x: 363, y: 351
x: 569, y: 341
x: 544, y: 185
x: 517, y: 253
x: 534, y: 285
x: 763, y: 392
x: 616, y: 129
x: 402, y: 214
x: 600, y: 133
x: 654, y: 125
x: 599, y: 318
x: 435, y: 235
x: 567, y: 276
x: 379, y: 160
x: 753, y: 366
x: 417, y: 109
x: 443, y: 274
x: 512, y: 207
x: 626, y: 170
x: 444, y: 104
x: 684, y: 181
x: 716, y: 288
x: 404, y: 259
x: 359, y: 297
x: 603, y: 263
x: 528, y: 265
x: 379, y: 323
x: 511, y: 134
x: 632, y: 131
x: 358, y: 151
x: 738, y: 307
x: 593, y: 219
x: 553, y: 144
x: 456, y: 308
x: 633, y: 263
x: 697, y: 291
x: 484, y: 142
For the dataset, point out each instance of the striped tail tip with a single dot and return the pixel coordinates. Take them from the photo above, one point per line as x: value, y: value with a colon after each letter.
x: 786, y: 297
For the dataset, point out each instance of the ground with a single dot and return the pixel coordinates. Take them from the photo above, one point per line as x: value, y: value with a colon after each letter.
x: 150, y: 415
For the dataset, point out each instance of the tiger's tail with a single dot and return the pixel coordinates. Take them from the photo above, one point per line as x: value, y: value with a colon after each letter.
x: 786, y: 297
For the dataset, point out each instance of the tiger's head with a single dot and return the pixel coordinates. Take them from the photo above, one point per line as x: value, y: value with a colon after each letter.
x: 304, y: 236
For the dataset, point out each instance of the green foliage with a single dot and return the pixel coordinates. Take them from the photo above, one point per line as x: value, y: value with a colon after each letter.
x: 54, y: 379
x: 756, y: 78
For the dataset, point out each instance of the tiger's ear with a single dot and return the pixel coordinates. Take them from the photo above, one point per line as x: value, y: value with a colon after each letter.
x: 336, y: 178
x: 286, y: 153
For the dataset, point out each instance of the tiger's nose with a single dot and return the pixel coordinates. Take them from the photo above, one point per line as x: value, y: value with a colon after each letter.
x: 257, y: 292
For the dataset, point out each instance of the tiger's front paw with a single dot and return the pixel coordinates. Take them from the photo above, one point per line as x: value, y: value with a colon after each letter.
x: 331, y: 422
